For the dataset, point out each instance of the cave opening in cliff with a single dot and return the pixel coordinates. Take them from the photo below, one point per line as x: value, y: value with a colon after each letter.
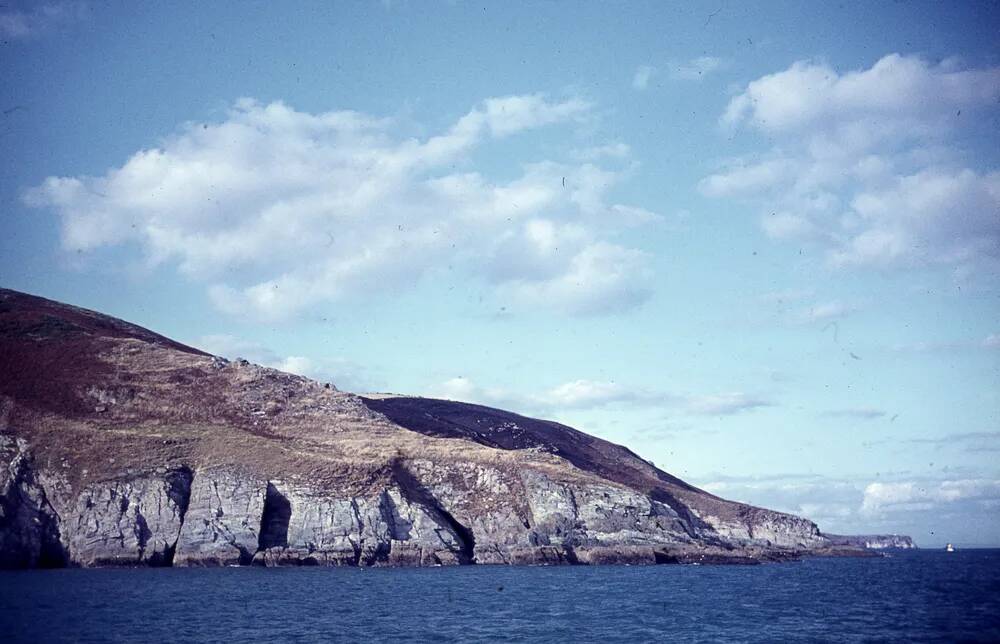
x: 274, y: 520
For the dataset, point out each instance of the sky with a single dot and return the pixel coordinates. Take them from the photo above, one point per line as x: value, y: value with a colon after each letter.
x: 758, y: 245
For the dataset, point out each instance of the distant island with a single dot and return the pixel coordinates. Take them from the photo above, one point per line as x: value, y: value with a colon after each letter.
x: 121, y: 447
x: 872, y: 541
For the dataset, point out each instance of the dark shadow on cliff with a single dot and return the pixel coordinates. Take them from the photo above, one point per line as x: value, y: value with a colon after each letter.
x: 493, y: 428
x: 274, y: 520
x: 179, y: 491
x: 29, y: 525
x: 415, y: 492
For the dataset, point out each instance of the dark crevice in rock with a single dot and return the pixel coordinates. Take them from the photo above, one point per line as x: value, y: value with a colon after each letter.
x: 356, y: 547
x: 390, y: 514
x: 692, y: 524
x: 179, y: 484
x: 661, y: 557
x: 53, y: 553
x: 142, y: 533
x: 246, y: 557
x: 415, y: 492
x: 179, y: 488
x: 274, y: 520
x: 29, y: 525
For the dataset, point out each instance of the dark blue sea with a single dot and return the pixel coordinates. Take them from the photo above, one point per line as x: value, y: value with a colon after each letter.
x: 910, y: 596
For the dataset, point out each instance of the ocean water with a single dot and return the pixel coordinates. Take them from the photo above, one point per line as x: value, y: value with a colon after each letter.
x: 910, y: 596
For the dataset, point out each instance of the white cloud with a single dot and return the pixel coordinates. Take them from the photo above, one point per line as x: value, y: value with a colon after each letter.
x: 601, y: 278
x: 642, y: 76
x: 346, y: 375
x: 929, y: 509
x: 587, y: 393
x: 867, y: 164
x: 590, y: 394
x: 510, y: 114
x: 992, y: 341
x: 908, y: 496
x: 576, y: 394
x: 743, y: 178
x: 278, y: 210
x: 463, y: 389
x: 932, y: 216
x: 897, y: 89
x: 724, y: 404
x: 832, y: 503
x: 696, y: 68
x: 41, y: 18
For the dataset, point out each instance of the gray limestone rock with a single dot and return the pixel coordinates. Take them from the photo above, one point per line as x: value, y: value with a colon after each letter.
x: 29, y: 532
x: 223, y: 519
x: 126, y: 523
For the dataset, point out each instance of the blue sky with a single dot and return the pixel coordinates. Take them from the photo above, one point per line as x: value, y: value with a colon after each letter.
x: 758, y: 245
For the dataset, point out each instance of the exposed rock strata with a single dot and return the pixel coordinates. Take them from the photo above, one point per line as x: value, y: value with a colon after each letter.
x: 121, y: 447
x: 872, y: 541
x: 29, y: 526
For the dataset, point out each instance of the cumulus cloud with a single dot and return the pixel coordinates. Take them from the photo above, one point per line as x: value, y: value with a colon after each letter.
x: 37, y: 19
x: 868, y: 164
x: 696, y: 68
x: 896, y: 89
x: 830, y: 502
x: 744, y: 177
x: 278, y: 210
x: 587, y: 393
x: 908, y: 496
x: 600, y: 278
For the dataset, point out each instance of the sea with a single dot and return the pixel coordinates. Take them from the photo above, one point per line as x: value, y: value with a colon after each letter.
x: 927, y: 596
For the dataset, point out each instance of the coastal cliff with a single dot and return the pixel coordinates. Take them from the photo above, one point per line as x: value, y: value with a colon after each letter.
x: 872, y: 541
x: 120, y: 447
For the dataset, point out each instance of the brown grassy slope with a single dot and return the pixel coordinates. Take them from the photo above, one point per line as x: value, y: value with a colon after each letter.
x: 101, y: 398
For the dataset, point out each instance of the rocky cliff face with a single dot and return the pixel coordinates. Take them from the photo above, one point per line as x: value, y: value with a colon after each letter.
x: 121, y: 447
x: 872, y: 541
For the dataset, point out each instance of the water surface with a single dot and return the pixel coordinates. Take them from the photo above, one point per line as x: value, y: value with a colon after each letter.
x: 926, y: 596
